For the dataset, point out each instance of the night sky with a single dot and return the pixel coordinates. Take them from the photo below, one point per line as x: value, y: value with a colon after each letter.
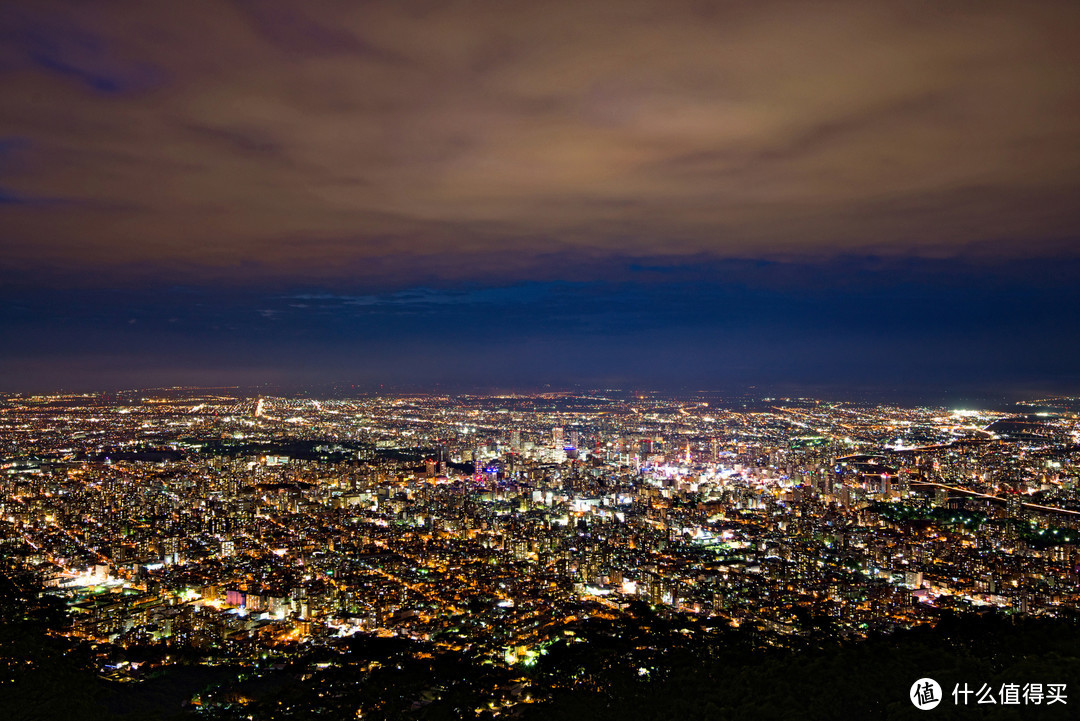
x: 813, y: 197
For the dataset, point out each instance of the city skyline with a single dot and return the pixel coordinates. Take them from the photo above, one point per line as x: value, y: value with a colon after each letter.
x: 212, y: 552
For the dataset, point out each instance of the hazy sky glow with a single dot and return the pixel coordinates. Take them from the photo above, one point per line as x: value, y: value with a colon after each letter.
x: 639, y: 192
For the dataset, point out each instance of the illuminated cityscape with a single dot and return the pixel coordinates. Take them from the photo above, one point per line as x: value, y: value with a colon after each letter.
x: 220, y: 528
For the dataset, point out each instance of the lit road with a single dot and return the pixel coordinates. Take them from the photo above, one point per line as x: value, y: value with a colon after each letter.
x: 958, y: 489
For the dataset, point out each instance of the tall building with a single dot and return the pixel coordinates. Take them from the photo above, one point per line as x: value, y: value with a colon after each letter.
x: 444, y: 457
x: 557, y: 437
x: 170, y: 550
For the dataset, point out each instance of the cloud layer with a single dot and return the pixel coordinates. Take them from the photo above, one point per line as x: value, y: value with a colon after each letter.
x: 396, y: 141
